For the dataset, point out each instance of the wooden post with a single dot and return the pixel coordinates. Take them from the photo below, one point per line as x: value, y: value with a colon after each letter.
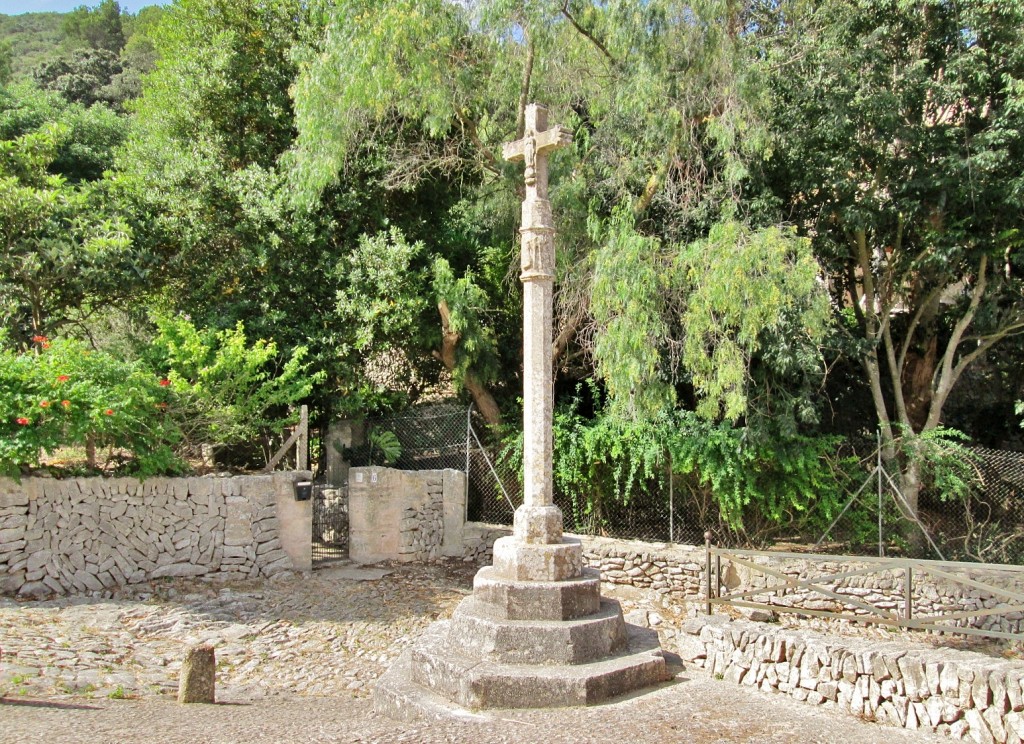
x: 707, y: 569
x: 302, y: 448
x: 908, y: 593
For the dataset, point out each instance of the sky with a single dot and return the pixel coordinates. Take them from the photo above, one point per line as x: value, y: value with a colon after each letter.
x: 13, y: 7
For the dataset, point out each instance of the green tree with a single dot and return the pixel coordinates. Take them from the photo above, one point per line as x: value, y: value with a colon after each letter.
x: 201, y: 176
x: 62, y: 393
x: 99, y: 27
x: 92, y: 134
x: 657, y: 143
x: 63, y: 251
x: 227, y: 389
x: 6, y: 67
x: 82, y: 76
x: 900, y: 138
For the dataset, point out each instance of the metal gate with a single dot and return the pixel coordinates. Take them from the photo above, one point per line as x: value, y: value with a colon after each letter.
x: 330, y: 523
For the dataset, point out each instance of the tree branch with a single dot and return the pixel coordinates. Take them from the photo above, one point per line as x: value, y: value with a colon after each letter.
x: 914, y: 322
x: 589, y: 36
x: 469, y: 127
x: 946, y: 374
x: 524, y: 87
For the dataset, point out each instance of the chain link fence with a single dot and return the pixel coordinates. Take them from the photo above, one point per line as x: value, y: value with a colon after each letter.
x: 984, y: 525
x: 988, y: 526
x: 440, y: 436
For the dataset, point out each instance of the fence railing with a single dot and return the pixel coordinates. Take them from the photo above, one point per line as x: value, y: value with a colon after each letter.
x: 940, y: 596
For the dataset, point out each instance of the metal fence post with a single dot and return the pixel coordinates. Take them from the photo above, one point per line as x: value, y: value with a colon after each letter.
x: 469, y: 434
x: 671, y: 505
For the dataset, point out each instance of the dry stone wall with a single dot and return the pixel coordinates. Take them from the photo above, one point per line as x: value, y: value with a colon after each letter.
x: 89, y: 535
x: 884, y: 589
x: 942, y: 689
x: 677, y: 571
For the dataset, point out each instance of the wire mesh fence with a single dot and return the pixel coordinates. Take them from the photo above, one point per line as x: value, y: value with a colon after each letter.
x: 987, y: 526
x: 440, y: 436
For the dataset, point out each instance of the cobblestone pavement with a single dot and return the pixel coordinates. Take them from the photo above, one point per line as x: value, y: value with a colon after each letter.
x: 297, y: 659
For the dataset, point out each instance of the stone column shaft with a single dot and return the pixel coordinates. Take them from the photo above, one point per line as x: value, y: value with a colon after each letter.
x: 538, y: 520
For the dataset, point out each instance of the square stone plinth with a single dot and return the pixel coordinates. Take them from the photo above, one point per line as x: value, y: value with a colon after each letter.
x: 520, y: 561
x: 538, y: 524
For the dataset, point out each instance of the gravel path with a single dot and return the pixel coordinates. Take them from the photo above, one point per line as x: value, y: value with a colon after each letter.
x: 297, y: 659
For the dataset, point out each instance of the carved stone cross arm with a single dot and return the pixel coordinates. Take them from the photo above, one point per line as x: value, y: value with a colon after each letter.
x: 534, y: 146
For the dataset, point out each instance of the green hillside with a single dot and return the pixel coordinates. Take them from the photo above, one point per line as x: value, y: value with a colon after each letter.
x: 33, y: 37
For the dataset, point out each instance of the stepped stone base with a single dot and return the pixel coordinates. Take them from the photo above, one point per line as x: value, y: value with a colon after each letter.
x: 523, y: 644
x: 575, y: 641
x: 437, y: 679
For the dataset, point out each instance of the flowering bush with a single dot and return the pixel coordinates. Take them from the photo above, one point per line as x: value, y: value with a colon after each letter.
x: 62, y: 393
x: 198, y: 387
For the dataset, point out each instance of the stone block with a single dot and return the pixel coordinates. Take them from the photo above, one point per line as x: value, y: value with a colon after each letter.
x: 977, y: 728
x: 469, y: 682
x: 537, y: 600
x: 538, y: 524
x: 178, y: 569
x: 12, y: 494
x: 196, y: 683
x: 12, y: 534
x: 520, y: 561
x: 949, y: 681
x: 914, y: 678
x: 1014, y: 722
x: 577, y: 641
x: 997, y: 685
x: 994, y: 719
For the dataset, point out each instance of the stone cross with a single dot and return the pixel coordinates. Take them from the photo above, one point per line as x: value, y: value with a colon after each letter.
x: 538, y: 520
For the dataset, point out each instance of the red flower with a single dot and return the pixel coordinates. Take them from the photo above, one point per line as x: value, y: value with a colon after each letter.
x: 162, y: 406
x: 63, y: 378
x: 40, y: 339
x: 164, y: 382
x: 44, y: 404
x: 66, y: 403
x: 22, y: 421
x: 109, y: 412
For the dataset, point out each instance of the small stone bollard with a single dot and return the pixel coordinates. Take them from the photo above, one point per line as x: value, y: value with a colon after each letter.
x: 196, y: 683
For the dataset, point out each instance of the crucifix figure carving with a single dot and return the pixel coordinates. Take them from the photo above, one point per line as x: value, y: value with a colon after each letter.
x: 538, y: 520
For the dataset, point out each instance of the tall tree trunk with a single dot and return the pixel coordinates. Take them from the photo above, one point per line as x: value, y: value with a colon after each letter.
x: 910, y: 487
x: 918, y: 373
x: 482, y: 397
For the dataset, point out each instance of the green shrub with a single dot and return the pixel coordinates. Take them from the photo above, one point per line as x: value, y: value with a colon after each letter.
x: 228, y: 390
x: 61, y: 393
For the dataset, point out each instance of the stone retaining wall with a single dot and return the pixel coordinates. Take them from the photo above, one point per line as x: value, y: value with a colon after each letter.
x: 942, y: 689
x: 85, y: 535
x: 678, y: 571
